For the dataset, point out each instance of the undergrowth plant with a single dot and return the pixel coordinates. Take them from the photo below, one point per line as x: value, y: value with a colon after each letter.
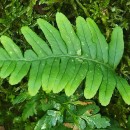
x: 67, y: 58
x: 49, y: 112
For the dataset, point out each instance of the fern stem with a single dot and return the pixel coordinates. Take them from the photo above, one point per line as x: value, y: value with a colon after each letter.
x: 59, y: 56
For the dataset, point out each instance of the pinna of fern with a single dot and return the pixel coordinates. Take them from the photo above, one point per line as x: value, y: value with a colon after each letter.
x: 69, y: 58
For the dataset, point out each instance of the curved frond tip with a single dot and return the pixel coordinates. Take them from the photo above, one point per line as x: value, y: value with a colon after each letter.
x: 69, y: 58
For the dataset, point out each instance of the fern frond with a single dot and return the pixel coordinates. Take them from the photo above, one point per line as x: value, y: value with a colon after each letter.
x: 29, y: 110
x: 69, y: 58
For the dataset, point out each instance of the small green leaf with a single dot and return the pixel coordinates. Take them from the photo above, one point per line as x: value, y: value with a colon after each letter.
x: 85, y: 36
x: 93, y: 80
x: 21, y: 69
x: 96, y: 121
x: 116, y: 47
x: 124, y: 89
x: 29, y: 109
x: 38, y: 45
x: 52, y: 34
x: 20, y: 98
x: 107, y: 87
x: 81, y: 124
x: 49, y: 120
x: 68, y: 34
x: 12, y: 49
x: 99, y: 40
x: 7, y: 69
x: 35, y: 82
x: 78, y: 76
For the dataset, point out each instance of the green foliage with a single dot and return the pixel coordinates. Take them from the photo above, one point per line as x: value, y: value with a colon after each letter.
x: 96, y: 120
x: 29, y: 110
x: 49, y: 120
x: 50, y: 112
x: 21, y: 98
x: 70, y: 59
x: 107, y: 14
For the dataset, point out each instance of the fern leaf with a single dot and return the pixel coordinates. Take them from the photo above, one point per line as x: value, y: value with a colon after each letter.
x: 79, y: 75
x: 12, y: 49
x: 107, y: 86
x: 99, y: 40
x: 38, y: 45
x: 67, y: 75
x: 35, y: 82
x: 20, y: 98
x: 65, y: 66
x: 21, y: 70
x: 53, y: 74
x: 88, y: 47
x: 47, y: 74
x: 53, y: 36
x: 7, y: 69
x: 116, y: 47
x: 93, y: 80
x: 29, y: 110
x: 67, y: 59
x: 68, y: 34
x: 96, y: 120
x: 124, y: 89
x: 49, y: 120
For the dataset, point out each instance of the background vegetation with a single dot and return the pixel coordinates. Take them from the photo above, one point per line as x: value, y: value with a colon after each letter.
x: 19, y: 111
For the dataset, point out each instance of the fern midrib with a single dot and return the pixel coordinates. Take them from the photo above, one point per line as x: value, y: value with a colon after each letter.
x: 60, y: 56
x: 115, y: 51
